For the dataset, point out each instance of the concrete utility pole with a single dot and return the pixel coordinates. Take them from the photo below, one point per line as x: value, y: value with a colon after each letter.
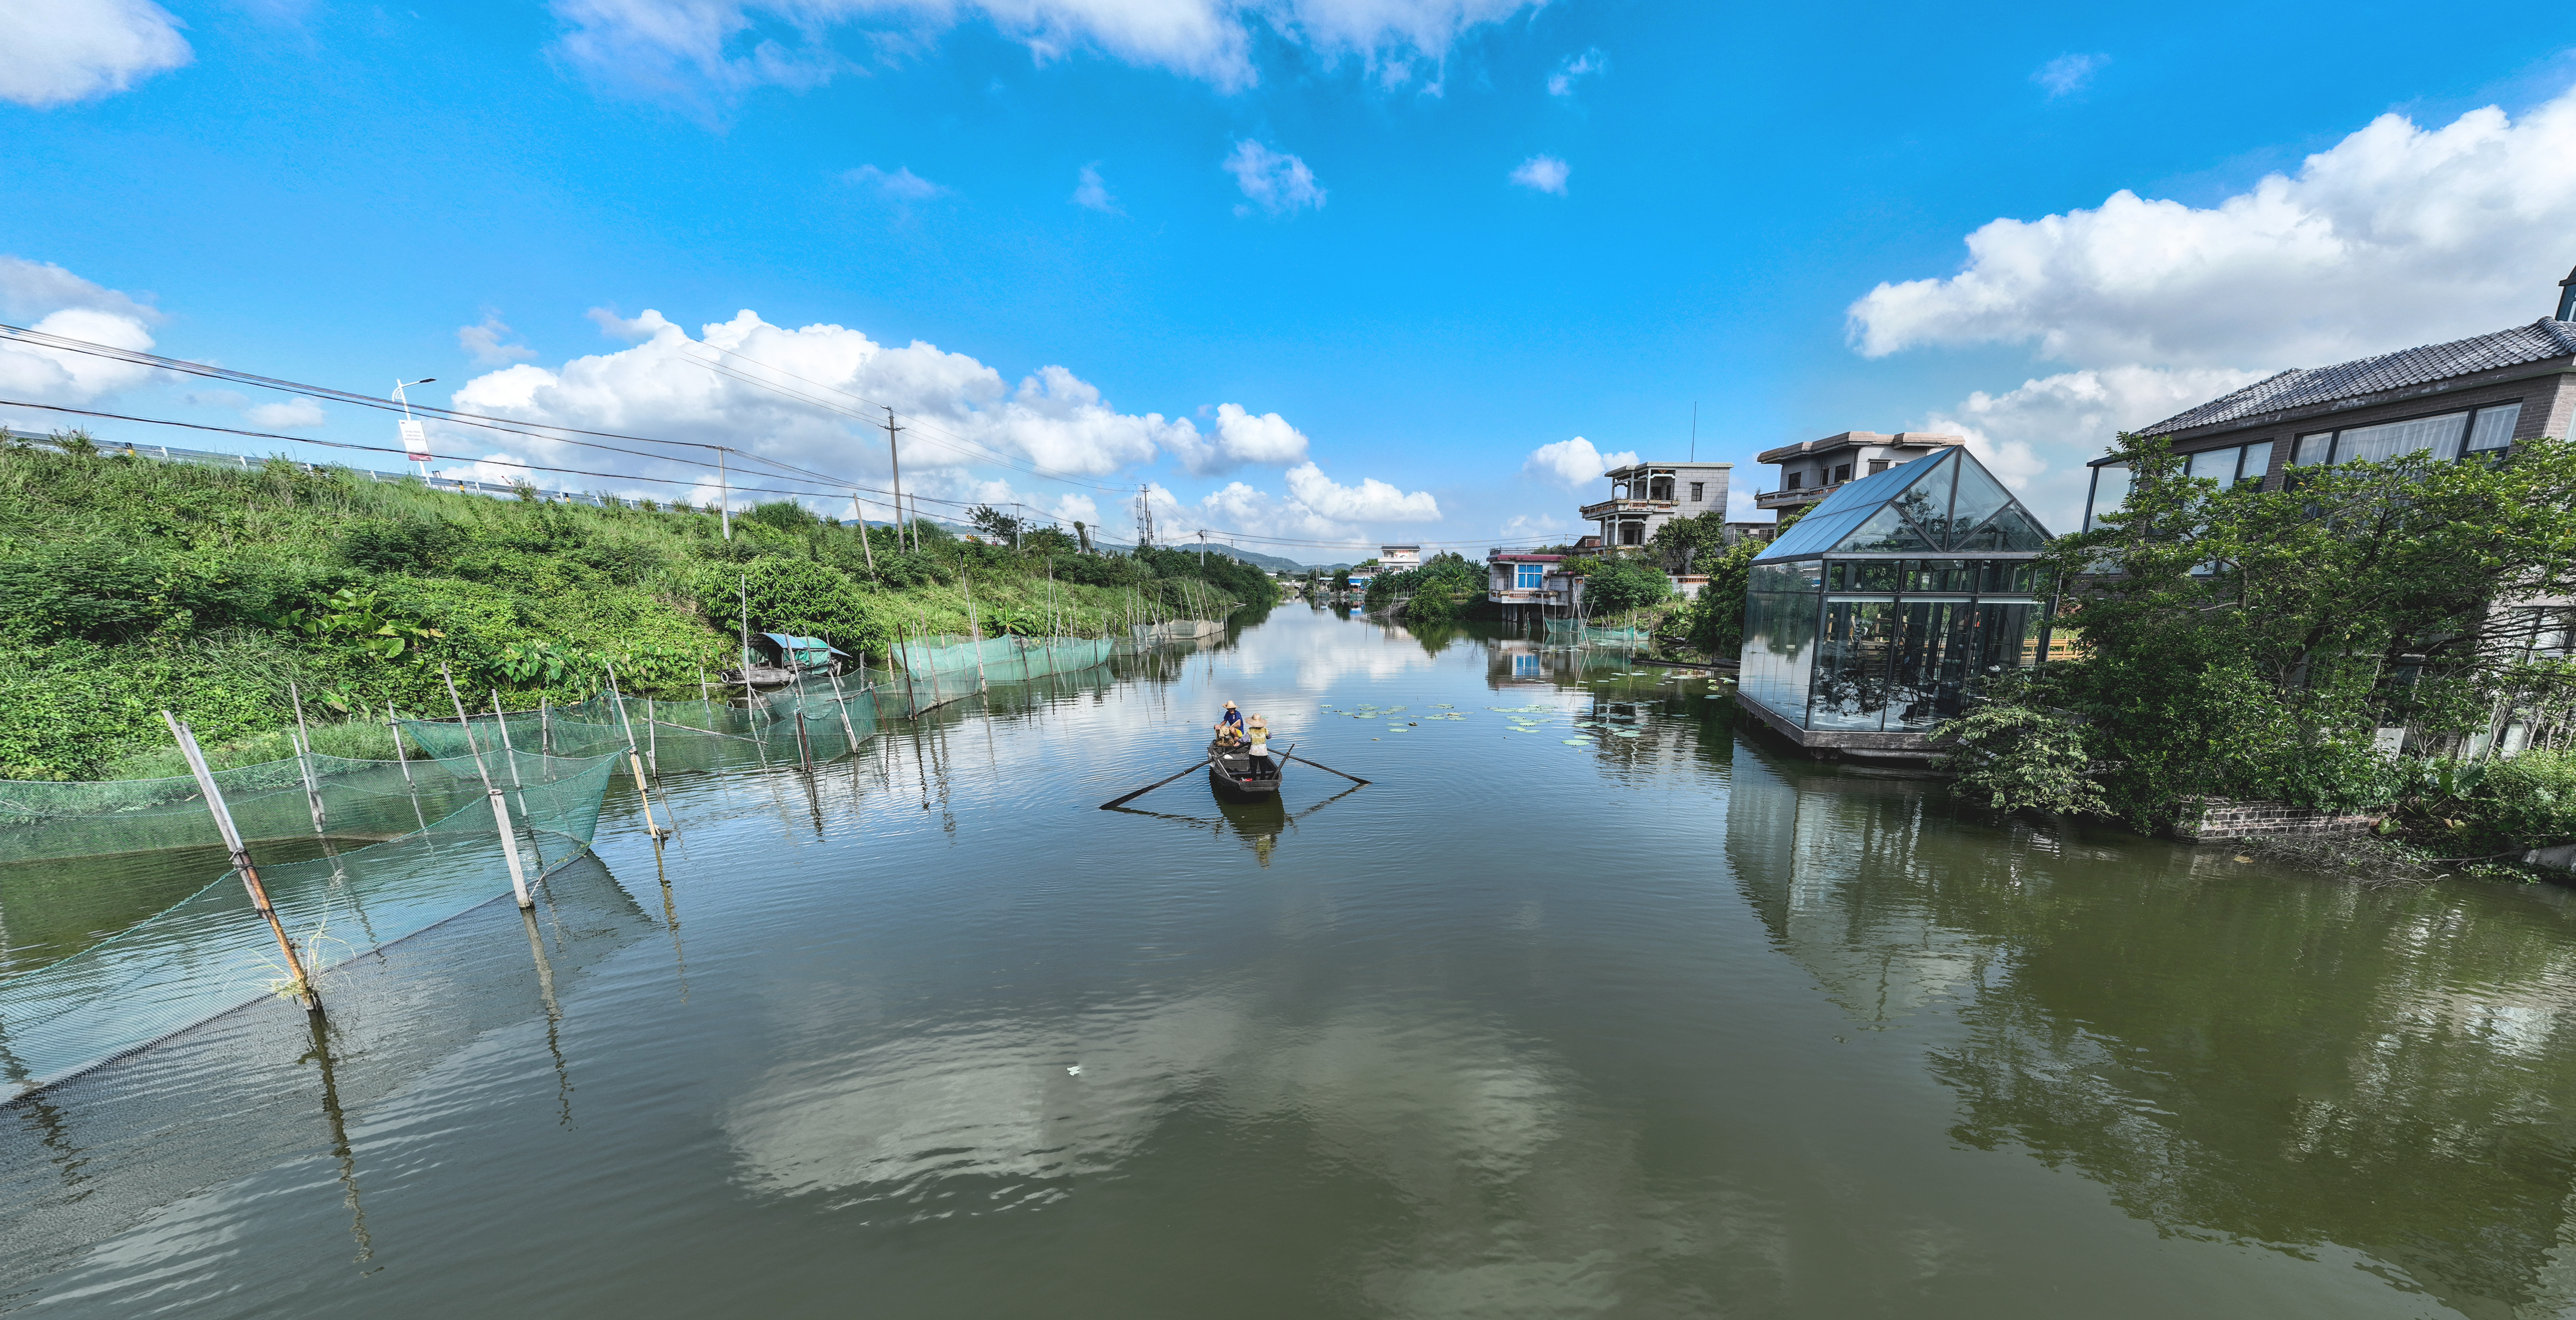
x: 894, y: 461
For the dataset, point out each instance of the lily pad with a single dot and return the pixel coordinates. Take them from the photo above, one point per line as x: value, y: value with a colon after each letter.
x: 1578, y: 742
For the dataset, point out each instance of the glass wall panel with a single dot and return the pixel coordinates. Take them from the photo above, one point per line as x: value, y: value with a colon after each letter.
x: 2494, y: 427
x: 2007, y: 530
x: 1927, y: 499
x: 1940, y: 575
x: 2258, y: 460
x: 1850, y: 690
x: 2378, y: 444
x: 1978, y: 498
x: 2218, y: 465
x: 1875, y: 574
x: 2012, y: 577
x: 2315, y: 448
x: 1935, y: 641
x: 1886, y: 533
x: 1779, y: 637
x: 2110, y: 491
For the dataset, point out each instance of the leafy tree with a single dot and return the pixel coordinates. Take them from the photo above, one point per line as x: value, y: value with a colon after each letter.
x: 2245, y: 643
x: 1616, y: 584
x: 2012, y: 755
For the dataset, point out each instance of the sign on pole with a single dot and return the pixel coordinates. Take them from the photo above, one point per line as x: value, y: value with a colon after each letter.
x: 415, y: 441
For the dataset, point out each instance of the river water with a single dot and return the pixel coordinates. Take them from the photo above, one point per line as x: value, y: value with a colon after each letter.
x: 1589, y: 1005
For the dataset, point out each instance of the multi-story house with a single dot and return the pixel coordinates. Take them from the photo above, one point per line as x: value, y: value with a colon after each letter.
x: 1811, y: 469
x: 1645, y: 496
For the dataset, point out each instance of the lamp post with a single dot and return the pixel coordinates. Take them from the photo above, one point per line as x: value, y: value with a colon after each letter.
x: 415, y: 439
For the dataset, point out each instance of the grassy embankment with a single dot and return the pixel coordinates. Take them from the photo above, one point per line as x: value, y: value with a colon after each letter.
x: 128, y: 586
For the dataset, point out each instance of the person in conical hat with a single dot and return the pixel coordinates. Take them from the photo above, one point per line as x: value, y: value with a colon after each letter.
x: 1229, y: 726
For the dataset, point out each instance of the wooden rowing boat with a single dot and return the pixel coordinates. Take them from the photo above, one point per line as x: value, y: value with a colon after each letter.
x: 1234, y: 772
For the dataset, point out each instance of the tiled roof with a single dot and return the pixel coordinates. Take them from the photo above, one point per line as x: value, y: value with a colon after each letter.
x: 2537, y: 342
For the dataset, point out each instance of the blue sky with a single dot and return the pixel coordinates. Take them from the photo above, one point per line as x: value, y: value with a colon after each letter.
x: 1318, y: 270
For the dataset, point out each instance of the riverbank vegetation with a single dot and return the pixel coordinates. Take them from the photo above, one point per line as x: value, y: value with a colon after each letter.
x: 2241, y: 643
x: 129, y: 585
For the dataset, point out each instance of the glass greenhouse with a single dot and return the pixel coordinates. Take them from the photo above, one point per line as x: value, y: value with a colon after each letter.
x: 1883, y: 608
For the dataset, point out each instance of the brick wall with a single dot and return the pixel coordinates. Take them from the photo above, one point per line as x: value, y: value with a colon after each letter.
x: 2224, y: 818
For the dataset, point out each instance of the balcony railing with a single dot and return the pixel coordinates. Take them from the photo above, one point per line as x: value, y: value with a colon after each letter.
x: 1608, y: 508
x: 1785, y: 499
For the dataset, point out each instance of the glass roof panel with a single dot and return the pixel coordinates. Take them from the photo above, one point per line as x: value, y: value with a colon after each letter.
x: 1815, y: 533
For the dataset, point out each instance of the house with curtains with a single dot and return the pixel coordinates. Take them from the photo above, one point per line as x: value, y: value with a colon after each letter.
x: 1875, y: 616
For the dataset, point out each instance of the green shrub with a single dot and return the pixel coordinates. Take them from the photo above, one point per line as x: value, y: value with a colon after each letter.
x: 2011, y: 755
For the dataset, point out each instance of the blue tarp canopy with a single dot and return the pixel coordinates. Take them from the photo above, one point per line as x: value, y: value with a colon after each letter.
x: 798, y: 648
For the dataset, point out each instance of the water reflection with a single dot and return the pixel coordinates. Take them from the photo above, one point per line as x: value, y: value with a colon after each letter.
x: 2233, y: 1051
x: 1501, y: 1188
x: 1256, y: 825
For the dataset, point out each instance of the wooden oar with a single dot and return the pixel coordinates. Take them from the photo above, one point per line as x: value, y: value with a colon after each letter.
x: 1115, y: 803
x: 1318, y: 765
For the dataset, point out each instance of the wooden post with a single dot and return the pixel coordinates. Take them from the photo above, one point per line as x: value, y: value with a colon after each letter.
x: 545, y: 726
x: 500, y: 809
x: 652, y: 740
x: 304, y: 988
x: 804, y: 750
x: 704, y: 695
x: 632, y: 759
x: 501, y: 720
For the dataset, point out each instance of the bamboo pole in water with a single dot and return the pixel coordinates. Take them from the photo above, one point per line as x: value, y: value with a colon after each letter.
x: 304, y: 988
x: 841, y: 703
x: 500, y: 808
x: 304, y: 756
x: 632, y: 760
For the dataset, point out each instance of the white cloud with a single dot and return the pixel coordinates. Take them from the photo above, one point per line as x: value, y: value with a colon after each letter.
x: 1272, y: 180
x: 1241, y: 438
x: 900, y: 186
x: 2038, y: 437
x: 1089, y: 191
x: 1573, y: 463
x: 1070, y: 509
x: 960, y: 411
x: 1370, y: 501
x: 46, y: 297
x: 484, y: 343
x: 60, y: 51
x: 693, y: 50
x: 2398, y: 235
x: 634, y: 332
x: 1543, y: 173
x: 286, y: 415
x: 1573, y: 68
x: 2068, y: 74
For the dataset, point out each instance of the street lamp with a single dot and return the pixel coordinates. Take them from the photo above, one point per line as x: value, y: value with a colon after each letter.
x: 415, y: 440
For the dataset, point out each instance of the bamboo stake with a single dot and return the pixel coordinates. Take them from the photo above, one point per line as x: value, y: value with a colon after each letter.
x: 841, y: 703
x: 632, y: 759
x: 501, y: 720
x: 652, y: 740
x: 974, y: 630
x: 500, y: 808
x: 304, y: 988
x: 304, y: 756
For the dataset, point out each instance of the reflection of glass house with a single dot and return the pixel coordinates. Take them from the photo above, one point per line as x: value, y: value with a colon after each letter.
x: 1874, y: 617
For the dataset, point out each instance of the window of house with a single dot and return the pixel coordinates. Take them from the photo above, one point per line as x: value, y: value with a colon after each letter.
x: 2216, y: 464
x: 2449, y: 435
x: 1528, y: 577
x: 2258, y: 461
x: 1699, y: 492
x: 1525, y: 666
x: 1793, y: 480
x: 1842, y: 473
x: 1877, y: 465
x: 2110, y: 491
x: 2494, y: 428
x: 1632, y: 534
x: 1661, y: 488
